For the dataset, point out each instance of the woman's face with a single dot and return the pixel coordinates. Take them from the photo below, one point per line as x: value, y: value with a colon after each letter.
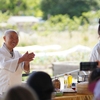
x: 11, y: 40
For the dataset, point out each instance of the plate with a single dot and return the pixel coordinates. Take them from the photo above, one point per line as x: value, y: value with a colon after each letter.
x: 69, y: 90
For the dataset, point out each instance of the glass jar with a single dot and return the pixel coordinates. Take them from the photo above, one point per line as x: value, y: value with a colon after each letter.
x: 56, y: 83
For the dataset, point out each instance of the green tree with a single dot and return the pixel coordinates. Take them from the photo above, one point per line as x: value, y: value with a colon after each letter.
x: 21, y: 7
x: 3, y: 5
x: 33, y: 7
x: 72, y: 8
x: 15, y: 7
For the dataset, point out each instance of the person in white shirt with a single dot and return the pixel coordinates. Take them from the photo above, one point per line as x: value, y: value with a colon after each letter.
x: 12, y: 63
x: 95, y: 54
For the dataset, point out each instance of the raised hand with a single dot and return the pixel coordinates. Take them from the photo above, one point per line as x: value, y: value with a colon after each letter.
x: 27, y: 57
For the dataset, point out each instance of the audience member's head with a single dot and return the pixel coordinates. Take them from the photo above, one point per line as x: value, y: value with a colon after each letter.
x: 41, y: 82
x: 99, y: 28
x: 94, y: 75
x: 93, y: 79
x: 20, y: 93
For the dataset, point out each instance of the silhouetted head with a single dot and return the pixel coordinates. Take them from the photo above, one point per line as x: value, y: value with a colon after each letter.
x: 94, y: 75
x: 99, y: 28
x: 41, y: 82
x: 20, y: 93
x: 93, y: 79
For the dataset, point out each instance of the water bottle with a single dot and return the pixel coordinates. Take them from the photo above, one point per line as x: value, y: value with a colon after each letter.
x: 65, y: 81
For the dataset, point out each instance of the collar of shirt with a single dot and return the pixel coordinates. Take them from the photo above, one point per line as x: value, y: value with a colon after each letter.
x: 8, y: 49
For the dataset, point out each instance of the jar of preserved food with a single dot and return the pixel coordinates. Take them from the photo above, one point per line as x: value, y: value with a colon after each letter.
x: 56, y: 83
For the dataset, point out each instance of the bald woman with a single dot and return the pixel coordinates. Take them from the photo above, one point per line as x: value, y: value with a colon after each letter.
x: 12, y: 63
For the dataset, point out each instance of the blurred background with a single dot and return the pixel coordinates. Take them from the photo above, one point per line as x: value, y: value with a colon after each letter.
x: 63, y: 31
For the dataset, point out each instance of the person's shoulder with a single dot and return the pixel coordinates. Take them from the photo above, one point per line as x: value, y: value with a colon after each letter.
x: 1, y: 49
x: 97, y: 46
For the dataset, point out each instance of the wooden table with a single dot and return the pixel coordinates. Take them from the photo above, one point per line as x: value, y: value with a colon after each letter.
x: 74, y: 96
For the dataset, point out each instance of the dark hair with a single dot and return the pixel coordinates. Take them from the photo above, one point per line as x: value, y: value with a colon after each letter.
x: 42, y: 83
x: 94, y: 75
x: 20, y: 93
x: 99, y: 28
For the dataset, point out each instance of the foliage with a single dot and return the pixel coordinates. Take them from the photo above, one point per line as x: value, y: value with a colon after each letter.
x: 16, y: 7
x: 58, y: 22
x: 47, y: 8
x: 33, y: 7
x: 21, y: 7
x: 3, y: 16
x: 75, y: 8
